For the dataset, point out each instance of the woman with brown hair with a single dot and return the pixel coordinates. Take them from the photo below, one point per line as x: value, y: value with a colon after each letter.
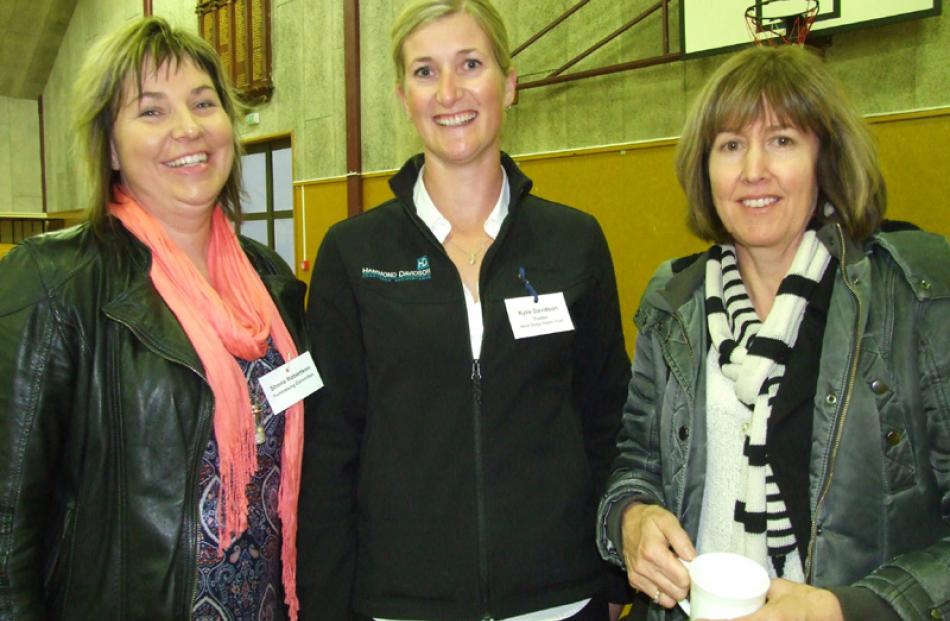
x: 789, y: 393
x: 145, y: 473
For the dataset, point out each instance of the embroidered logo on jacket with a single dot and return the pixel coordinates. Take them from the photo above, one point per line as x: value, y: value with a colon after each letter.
x: 422, y: 272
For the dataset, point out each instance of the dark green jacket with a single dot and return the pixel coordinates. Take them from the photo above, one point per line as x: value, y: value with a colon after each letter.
x: 880, y: 460
x: 435, y: 488
x: 104, y: 417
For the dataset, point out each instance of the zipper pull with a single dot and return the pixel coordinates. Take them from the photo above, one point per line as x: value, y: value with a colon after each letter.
x: 476, y: 370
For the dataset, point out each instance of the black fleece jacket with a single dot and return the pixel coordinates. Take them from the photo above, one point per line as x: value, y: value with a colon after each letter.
x: 439, y: 487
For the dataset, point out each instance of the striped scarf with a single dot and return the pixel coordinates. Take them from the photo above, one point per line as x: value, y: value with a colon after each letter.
x: 752, y: 354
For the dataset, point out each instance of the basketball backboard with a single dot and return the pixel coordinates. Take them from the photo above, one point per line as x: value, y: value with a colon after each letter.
x: 710, y: 26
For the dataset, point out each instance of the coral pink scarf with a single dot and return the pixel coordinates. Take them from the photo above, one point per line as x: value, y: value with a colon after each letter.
x: 231, y: 316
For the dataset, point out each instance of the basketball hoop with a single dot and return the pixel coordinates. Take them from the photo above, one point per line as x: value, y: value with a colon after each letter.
x: 776, y: 22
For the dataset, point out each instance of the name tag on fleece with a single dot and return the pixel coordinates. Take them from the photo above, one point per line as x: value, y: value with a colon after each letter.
x: 549, y: 315
x: 288, y: 384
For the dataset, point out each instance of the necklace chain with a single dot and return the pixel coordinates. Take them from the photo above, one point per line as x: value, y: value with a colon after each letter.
x: 473, y: 255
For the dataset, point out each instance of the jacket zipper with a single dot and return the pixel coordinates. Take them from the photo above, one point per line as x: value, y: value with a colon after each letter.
x: 194, y: 473
x: 59, y: 552
x: 843, y: 412
x: 484, y: 589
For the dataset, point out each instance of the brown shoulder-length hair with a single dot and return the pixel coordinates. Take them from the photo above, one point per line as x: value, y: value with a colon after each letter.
x: 123, y: 56
x: 792, y: 83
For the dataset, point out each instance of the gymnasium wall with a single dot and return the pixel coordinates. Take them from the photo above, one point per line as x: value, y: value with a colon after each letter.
x: 603, y: 144
x: 633, y: 192
x: 893, y: 68
x: 21, y: 187
x: 91, y: 20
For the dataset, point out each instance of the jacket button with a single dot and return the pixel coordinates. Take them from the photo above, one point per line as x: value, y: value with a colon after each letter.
x: 925, y: 285
x: 684, y: 433
x: 879, y: 387
x: 935, y: 614
x: 818, y: 530
x: 831, y: 398
x: 893, y: 437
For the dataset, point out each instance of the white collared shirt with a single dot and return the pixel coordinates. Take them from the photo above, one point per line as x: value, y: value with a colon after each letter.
x: 440, y: 227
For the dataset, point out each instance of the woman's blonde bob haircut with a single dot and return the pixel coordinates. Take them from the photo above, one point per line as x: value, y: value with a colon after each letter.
x: 420, y: 12
x: 792, y: 84
x: 122, y: 58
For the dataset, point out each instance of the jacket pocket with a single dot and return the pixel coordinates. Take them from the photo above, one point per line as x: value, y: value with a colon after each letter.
x: 896, y: 441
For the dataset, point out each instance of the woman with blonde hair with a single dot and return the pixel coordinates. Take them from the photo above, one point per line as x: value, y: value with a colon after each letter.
x: 145, y: 473
x: 789, y: 393
x: 456, y: 456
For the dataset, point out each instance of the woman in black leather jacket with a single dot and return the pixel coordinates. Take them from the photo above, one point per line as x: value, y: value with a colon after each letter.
x: 143, y: 473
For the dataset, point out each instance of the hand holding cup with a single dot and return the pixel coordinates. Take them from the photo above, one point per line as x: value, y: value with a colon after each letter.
x: 653, y: 542
x: 724, y: 585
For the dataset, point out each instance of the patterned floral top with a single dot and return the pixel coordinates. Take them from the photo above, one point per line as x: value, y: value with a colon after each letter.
x: 244, y: 585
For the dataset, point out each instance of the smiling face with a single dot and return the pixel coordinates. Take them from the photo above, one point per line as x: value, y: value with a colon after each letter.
x: 173, y: 145
x: 454, y: 91
x: 764, y: 183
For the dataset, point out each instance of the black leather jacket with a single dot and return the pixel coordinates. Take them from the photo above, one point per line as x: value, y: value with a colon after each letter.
x: 104, y: 416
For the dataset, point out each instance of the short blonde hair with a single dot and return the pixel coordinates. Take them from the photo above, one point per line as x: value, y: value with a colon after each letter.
x: 420, y: 12
x: 142, y: 45
x: 792, y: 83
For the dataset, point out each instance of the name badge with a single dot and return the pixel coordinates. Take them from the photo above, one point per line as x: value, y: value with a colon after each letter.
x: 288, y: 384
x: 547, y: 315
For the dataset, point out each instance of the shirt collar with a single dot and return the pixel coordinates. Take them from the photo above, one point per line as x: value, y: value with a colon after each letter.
x: 440, y: 227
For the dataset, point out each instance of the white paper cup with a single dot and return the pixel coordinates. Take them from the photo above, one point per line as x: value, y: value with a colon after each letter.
x: 724, y: 585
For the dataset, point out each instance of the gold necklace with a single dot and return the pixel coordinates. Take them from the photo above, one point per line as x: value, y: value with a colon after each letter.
x: 473, y: 255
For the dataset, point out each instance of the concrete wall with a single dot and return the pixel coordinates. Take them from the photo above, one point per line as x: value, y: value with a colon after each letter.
x: 308, y: 100
x: 889, y: 68
x: 91, y: 19
x: 21, y: 187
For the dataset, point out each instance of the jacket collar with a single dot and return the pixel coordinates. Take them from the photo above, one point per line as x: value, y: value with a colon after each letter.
x: 135, y: 303
x: 403, y: 182
x: 682, y: 286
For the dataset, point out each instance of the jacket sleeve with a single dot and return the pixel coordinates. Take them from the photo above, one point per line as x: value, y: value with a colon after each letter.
x: 637, y: 470
x: 601, y: 364
x: 36, y: 376
x: 326, y: 540
x: 917, y: 584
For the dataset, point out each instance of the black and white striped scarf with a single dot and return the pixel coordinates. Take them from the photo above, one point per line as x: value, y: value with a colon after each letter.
x: 752, y: 354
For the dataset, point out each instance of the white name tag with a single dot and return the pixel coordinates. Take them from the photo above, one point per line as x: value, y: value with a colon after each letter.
x: 288, y: 384
x: 548, y: 315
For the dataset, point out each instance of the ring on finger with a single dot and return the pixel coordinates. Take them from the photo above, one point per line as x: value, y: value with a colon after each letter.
x: 656, y: 598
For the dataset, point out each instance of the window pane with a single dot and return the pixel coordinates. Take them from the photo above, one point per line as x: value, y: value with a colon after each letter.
x: 283, y: 180
x: 255, y: 182
x: 284, y: 240
x: 256, y: 230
